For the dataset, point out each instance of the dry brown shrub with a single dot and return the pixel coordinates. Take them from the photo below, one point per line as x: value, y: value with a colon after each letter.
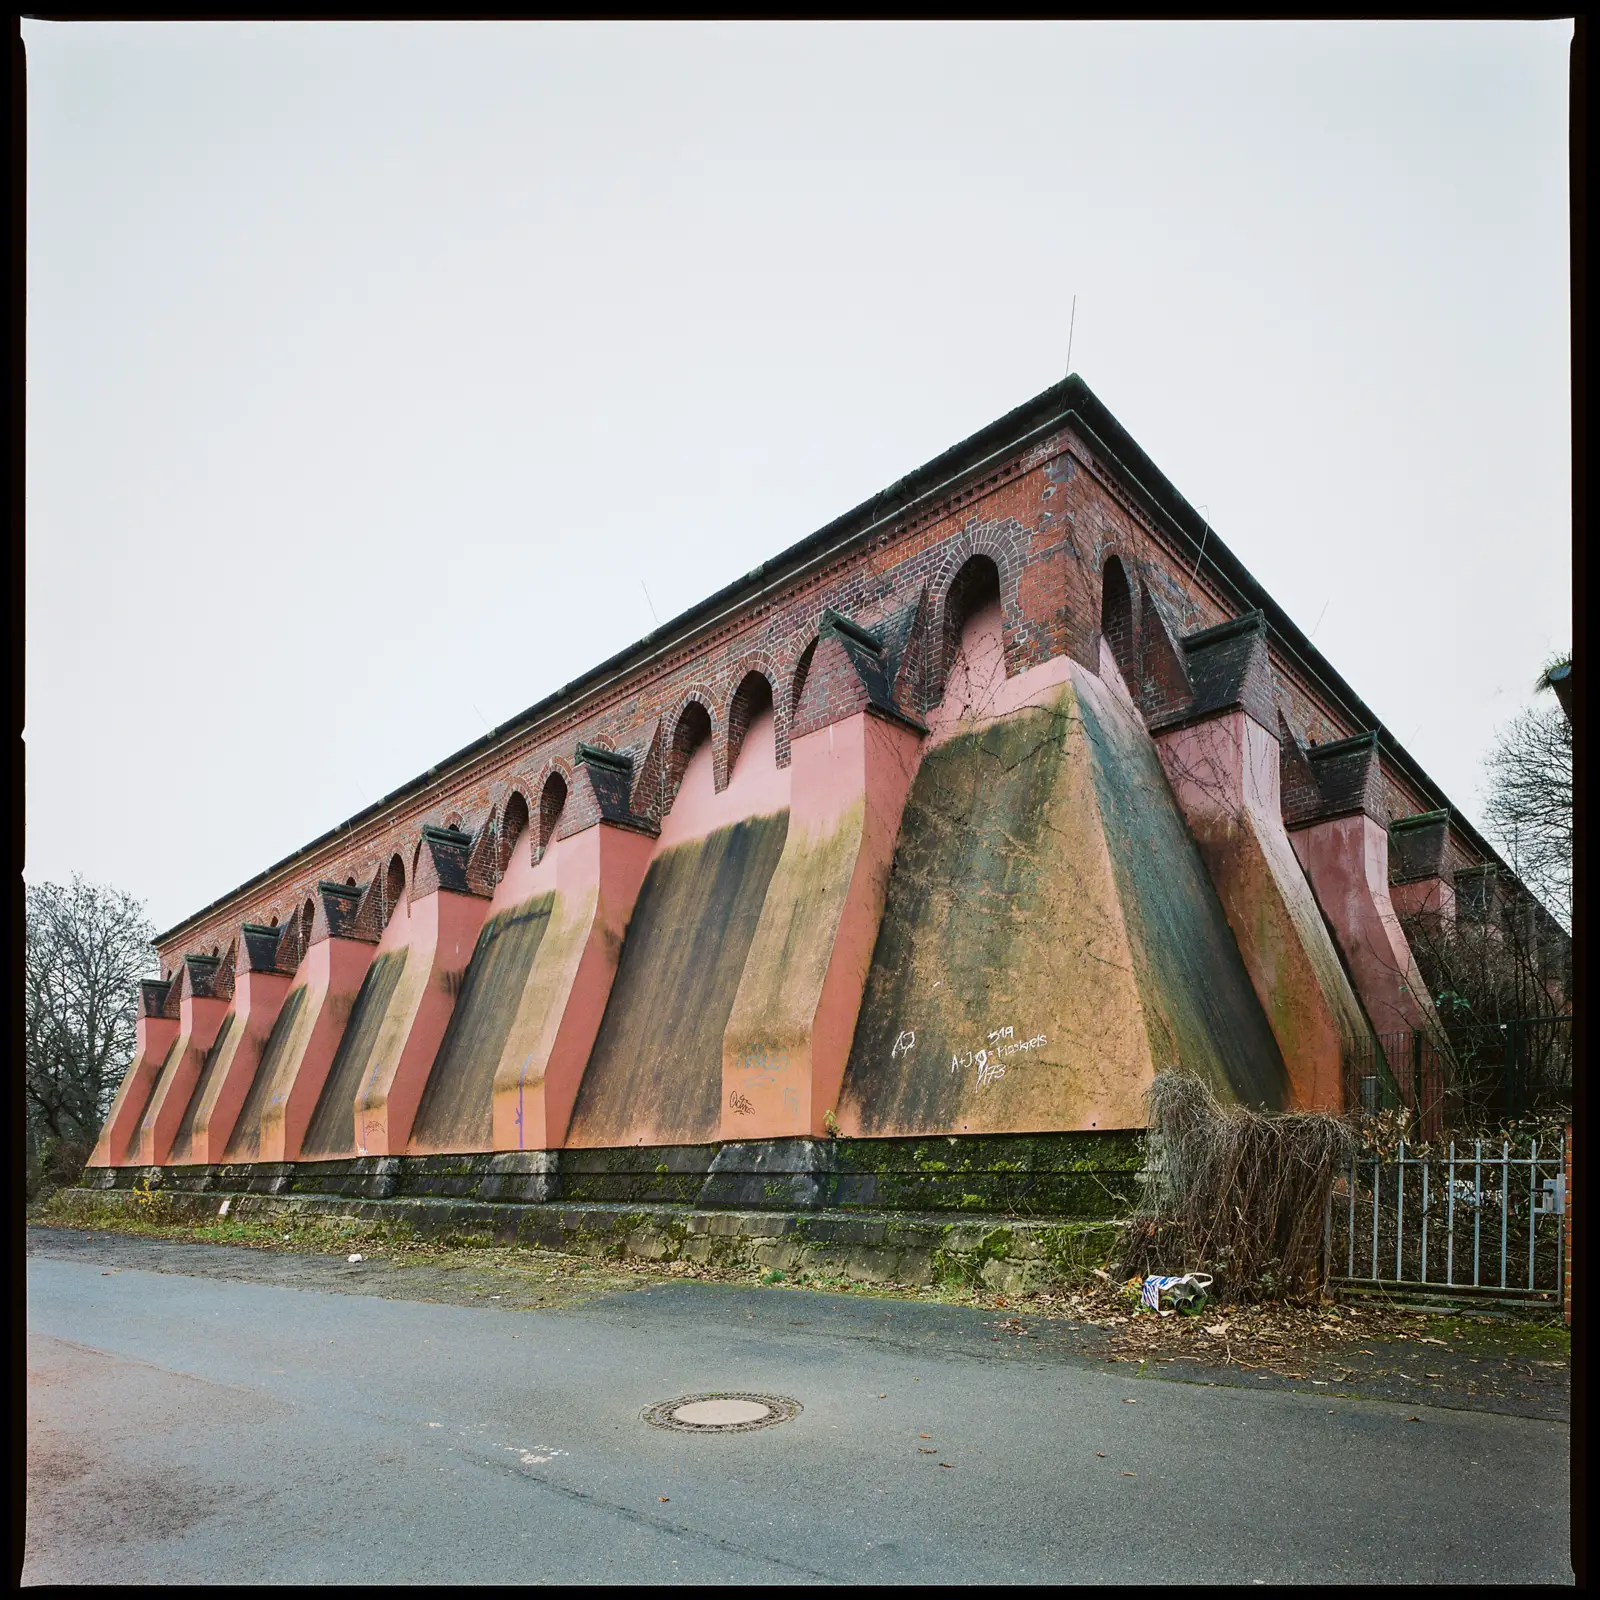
x: 1238, y: 1193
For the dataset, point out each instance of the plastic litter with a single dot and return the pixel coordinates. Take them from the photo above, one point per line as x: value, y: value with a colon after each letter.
x: 1186, y: 1292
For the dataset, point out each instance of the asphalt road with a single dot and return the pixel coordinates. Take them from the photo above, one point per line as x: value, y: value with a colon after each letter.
x: 190, y: 1429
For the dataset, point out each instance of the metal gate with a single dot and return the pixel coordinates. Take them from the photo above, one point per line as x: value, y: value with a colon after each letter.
x: 1479, y: 1218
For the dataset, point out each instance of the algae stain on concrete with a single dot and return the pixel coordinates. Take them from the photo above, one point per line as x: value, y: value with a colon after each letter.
x: 794, y: 939
x: 1202, y: 1009
x: 655, y: 1073
x: 331, y: 1131
x: 1001, y: 996
x: 245, y: 1142
x: 183, y: 1143
x: 457, y: 1107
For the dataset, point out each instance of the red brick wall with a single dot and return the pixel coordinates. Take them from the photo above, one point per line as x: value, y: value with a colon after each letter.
x: 1046, y: 516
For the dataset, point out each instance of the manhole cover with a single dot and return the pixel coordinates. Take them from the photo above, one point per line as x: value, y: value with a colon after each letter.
x: 722, y: 1413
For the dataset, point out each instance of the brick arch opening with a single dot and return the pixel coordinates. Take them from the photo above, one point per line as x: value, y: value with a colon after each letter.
x: 972, y: 635
x: 693, y: 729
x: 308, y: 915
x: 513, y: 825
x: 802, y: 670
x: 752, y: 699
x: 1116, y: 617
x: 394, y: 886
x: 552, y: 802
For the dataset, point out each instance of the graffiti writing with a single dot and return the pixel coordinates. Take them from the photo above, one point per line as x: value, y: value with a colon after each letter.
x: 904, y: 1044
x: 990, y: 1064
x: 740, y: 1106
x: 757, y: 1058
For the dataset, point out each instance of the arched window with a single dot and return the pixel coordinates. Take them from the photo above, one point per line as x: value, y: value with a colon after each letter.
x: 752, y: 699
x: 974, y: 637
x: 512, y: 827
x: 1116, y: 618
x: 394, y: 886
x: 552, y: 802
x: 693, y: 730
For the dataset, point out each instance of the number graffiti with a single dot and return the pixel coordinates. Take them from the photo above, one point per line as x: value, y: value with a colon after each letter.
x: 990, y: 1064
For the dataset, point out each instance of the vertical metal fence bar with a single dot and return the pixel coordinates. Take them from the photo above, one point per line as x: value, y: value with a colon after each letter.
x: 1477, y: 1213
x: 1533, y: 1200
x: 1400, y: 1212
x: 1350, y: 1230
x: 1505, y: 1203
x: 1450, y: 1222
x: 1423, y: 1274
x: 1377, y: 1184
x: 1561, y: 1231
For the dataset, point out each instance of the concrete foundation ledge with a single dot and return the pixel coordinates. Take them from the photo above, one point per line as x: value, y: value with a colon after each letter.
x: 1085, y: 1176
x: 1009, y: 1254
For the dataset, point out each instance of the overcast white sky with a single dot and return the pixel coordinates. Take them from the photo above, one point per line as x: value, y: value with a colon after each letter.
x: 371, y: 368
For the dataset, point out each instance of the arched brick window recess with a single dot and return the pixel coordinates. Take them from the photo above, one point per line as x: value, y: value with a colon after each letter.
x: 552, y: 802
x: 394, y: 886
x: 350, y: 881
x: 272, y: 921
x: 974, y: 592
x: 308, y: 915
x: 453, y: 820
x: 512, y: 827
x: 802, y: 671
x: 692, y: 731
x: 1116, y: 618
x: 750, y: 700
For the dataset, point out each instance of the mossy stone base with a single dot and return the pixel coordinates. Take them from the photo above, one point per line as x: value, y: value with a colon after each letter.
x: 1087, y: 1176
x: 1007, y: 1254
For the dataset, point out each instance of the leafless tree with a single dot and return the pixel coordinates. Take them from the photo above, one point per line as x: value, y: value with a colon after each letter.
x: 1529, y: 804
x: 87, y: 947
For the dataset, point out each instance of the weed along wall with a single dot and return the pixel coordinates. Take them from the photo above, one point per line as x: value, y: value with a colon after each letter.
x: 885, y: 879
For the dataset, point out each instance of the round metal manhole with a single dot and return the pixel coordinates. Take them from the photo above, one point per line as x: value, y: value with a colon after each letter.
x: 722, y: 1413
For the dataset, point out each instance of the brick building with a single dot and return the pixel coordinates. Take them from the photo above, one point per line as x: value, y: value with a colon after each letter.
x: 963, y: 816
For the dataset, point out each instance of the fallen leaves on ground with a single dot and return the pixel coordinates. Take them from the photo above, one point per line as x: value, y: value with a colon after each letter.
x: 1273, y: 1337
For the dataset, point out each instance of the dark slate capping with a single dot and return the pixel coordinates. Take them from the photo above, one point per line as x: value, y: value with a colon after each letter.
x: 1251, y: 622
x: 874, y: 666
x: 1228, y: 668
x: 153, y: 996
x: 202, y: 975
x: 1348, y: 779
x: 594, y: 755
x: 836, y: 622
x: 1419, y: 846
x: 259, y: 946
x: 448, y: 849
x: 341, y: 906
x: 610, y: 779
x: 1070, y: 403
